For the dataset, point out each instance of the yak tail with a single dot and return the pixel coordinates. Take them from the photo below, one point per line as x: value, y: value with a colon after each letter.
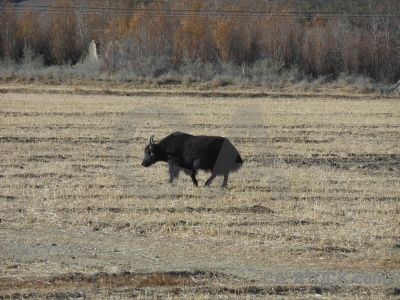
x: 228, y: 160
x: 237, y: 165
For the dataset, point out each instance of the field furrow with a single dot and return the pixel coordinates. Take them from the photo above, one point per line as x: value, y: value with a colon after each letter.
x: 318, y: 192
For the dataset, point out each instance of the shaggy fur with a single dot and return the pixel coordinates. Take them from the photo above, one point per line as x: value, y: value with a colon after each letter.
x: 192, y: 153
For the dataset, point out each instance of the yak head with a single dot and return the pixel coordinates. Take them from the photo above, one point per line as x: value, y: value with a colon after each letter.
x: 150, y: 156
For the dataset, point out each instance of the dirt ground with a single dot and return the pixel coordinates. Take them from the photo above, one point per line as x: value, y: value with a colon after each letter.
x: 313, y: 213
x: 54, y: 263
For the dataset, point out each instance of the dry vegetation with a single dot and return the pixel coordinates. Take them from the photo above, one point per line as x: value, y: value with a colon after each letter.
x: 235, y: 41
x: 80, y: 218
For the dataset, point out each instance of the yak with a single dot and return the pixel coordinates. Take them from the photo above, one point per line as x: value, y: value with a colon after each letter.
x: 191, y: 153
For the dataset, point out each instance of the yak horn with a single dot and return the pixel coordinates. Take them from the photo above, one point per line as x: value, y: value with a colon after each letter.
x: 151, y: 141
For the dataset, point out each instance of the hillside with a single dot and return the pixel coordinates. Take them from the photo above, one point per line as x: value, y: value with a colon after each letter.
x: 22, y: 4
x: 32, y: 2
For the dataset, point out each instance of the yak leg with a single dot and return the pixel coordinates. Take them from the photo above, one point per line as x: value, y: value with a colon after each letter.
x: 225, y: 180
x: 209, y: 180
x: 173, y: 171
x: 193, y: 176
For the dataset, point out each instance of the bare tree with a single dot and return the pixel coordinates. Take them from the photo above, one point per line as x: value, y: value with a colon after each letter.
x: 8, y: 30
x: 382, y: 30
x: 3, y: 4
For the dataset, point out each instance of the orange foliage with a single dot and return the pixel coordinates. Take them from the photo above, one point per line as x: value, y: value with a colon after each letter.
x: 29, y: 30
x: 240, y: 31
x: 8, y: 30
x: 221, y: 36
x: 191, y: 38
x: 62, y: 31
x: 319, y: 21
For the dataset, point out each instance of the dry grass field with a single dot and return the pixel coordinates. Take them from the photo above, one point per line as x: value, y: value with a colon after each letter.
x: 313, y: 213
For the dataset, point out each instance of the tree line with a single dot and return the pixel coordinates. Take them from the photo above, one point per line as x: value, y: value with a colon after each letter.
x: 320, y: 38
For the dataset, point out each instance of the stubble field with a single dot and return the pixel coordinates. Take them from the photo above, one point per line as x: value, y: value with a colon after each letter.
x: 313, y: 213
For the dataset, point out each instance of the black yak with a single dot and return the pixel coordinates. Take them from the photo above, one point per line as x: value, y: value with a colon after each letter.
x: 191, y: 153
